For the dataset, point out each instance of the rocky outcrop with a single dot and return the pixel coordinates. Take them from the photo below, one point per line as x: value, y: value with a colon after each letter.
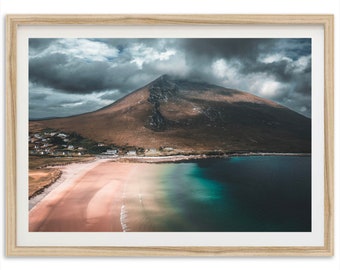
x: 160, y: 91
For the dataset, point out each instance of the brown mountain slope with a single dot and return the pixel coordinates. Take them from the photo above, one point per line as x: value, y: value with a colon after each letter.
x: 192, y: 116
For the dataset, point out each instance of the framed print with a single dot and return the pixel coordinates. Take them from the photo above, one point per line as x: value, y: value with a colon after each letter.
x: 169, y: 135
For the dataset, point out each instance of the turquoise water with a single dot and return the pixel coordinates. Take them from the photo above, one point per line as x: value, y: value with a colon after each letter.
x: 237, y: 194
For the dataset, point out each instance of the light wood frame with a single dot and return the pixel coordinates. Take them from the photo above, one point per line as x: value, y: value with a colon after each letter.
x: 15, y: 21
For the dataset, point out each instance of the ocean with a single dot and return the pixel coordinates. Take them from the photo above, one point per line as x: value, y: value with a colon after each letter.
x: 235, y: 194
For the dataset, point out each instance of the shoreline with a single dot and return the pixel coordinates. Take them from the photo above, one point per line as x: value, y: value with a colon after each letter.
x: 66, y: 170
x: 179, y: 158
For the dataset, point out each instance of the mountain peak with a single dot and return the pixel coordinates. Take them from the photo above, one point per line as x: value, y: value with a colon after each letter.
x: 161, y: 90
x: 164, y: 78
x: 163, y: 87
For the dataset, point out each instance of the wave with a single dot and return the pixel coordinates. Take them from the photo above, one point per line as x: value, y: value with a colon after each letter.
x: 123, y: 217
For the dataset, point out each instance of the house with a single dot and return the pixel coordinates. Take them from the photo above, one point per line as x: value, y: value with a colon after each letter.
x: 62, y: 135
x: 111, y: 152
x: 151, y: 152
x: 131, y: 153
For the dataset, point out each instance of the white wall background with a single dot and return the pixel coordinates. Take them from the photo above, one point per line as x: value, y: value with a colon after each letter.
x: 179, y: 7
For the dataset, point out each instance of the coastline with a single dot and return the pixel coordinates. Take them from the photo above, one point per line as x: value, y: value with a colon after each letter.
x: 182, y: 157
x: 67, y: 168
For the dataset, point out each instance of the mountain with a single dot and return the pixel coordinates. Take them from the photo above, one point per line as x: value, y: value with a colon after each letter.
x: 191, y: 116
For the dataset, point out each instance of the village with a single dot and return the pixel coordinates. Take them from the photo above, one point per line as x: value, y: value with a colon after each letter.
x: 57, y: 143
x: 53, y: 144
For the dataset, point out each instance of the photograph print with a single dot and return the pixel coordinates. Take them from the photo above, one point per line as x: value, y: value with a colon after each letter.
x: 169, y: 135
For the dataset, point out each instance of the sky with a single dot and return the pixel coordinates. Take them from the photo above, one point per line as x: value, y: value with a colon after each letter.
x: 73, y: 76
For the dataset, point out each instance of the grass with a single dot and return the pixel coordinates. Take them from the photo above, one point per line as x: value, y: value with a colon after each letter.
x: 40, y: 179
x: 37, y: 162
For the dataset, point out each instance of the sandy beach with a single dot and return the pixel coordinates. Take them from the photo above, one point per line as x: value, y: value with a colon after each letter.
x: 88, y: 200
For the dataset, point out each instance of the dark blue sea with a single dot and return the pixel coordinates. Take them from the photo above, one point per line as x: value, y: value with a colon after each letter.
x: 236, y: 194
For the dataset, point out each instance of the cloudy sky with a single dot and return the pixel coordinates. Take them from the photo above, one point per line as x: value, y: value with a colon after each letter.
x: 72, y: 76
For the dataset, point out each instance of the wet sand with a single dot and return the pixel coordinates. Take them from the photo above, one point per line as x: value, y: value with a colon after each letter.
x: 89, y: 200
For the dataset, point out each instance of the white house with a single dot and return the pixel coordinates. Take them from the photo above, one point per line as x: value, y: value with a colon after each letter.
x: 132, y: 153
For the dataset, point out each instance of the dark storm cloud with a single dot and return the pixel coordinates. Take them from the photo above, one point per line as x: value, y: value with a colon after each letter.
x: 56, y: 71
x: 39, y: 44
x: 229, y: 48
x: 111, y: 95
x: 77, y: 76
x: 102, y: 70
x: 37, y: 96
x: 247, y: 51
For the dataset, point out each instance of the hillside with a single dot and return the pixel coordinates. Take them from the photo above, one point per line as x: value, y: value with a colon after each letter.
x: 191, y: 116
